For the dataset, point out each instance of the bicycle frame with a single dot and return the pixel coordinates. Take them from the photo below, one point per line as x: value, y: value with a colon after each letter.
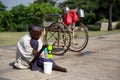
x: 63, y: 31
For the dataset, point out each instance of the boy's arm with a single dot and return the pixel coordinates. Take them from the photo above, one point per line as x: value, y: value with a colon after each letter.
x: 38, y: 53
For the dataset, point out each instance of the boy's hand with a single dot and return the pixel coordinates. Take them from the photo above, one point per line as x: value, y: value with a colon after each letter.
x: 34, y: 52
x: 45, y: 45
x: 37, y: 55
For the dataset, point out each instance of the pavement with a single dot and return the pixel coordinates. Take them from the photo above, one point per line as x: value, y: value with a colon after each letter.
x: 100, y: 60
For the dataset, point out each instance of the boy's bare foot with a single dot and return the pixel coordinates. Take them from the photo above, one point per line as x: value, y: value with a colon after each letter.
x: 58, y: 68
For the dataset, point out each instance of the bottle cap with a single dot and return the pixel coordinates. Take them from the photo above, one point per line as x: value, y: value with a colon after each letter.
x: 50, y: 47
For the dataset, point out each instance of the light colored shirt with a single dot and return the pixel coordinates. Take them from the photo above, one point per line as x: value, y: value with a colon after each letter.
x: 24, y: 52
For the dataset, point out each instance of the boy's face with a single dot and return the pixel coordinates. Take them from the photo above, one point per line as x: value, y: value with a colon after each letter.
x: 36, y: 34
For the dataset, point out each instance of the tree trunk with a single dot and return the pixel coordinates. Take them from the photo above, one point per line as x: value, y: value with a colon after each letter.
x: 110, y: 18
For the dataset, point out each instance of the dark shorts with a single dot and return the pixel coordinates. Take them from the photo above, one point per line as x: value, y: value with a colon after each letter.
x: 38, y: 65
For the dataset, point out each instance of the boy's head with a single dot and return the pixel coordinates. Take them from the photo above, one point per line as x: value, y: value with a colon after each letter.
x: 35, y: 31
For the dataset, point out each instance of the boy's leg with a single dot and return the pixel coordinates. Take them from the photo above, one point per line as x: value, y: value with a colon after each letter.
x: 58, y: 68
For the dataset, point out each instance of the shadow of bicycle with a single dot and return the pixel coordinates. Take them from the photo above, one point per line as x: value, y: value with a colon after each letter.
x: 86, y: 53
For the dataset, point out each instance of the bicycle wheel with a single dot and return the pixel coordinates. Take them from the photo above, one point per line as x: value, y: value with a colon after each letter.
x: 79, y: 39
x: 59, y: 36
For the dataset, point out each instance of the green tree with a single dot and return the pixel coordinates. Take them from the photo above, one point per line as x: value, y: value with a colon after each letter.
x: 52, y: 2
x: 6, y: 21
x: 20, y: 17
x: 116, y: 10
x: 2, y: 7
x: 2, y: 10
x: 34, y: 13
x: 38, y: 11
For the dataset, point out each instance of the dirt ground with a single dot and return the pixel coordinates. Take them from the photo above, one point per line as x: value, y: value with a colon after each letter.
x: 100, y: 60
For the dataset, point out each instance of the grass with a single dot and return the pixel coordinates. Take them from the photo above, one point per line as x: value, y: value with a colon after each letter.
x: 11, y: 38
x: 95, y: 33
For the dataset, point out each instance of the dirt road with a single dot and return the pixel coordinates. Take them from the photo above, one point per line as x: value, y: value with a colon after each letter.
x: 100, y: 60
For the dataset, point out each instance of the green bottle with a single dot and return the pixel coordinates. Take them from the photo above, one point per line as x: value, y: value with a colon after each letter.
x: 50, y: 48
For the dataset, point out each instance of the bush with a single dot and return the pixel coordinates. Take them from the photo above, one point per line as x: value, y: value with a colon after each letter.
x: 2, y: 29
x: 94, y: 28
x: 118, y: 25
x: 22, y: 27
x: 90, y: 18
x: 104, y: 20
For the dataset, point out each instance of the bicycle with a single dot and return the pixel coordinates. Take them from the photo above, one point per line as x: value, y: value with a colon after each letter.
x: 57, y: 34
x: 64, y: 38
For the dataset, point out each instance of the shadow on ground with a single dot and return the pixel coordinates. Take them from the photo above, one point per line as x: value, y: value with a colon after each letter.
x: 85, y: 53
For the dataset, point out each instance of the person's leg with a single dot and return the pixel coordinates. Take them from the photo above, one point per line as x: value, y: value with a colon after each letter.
x: 38, y: 65
x: 58, y: 68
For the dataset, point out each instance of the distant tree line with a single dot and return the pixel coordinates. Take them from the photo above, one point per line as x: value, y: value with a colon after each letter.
x: 20, y: 16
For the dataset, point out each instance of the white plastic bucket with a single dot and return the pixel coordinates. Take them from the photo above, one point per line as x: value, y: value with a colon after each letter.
x: 47, y: 67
